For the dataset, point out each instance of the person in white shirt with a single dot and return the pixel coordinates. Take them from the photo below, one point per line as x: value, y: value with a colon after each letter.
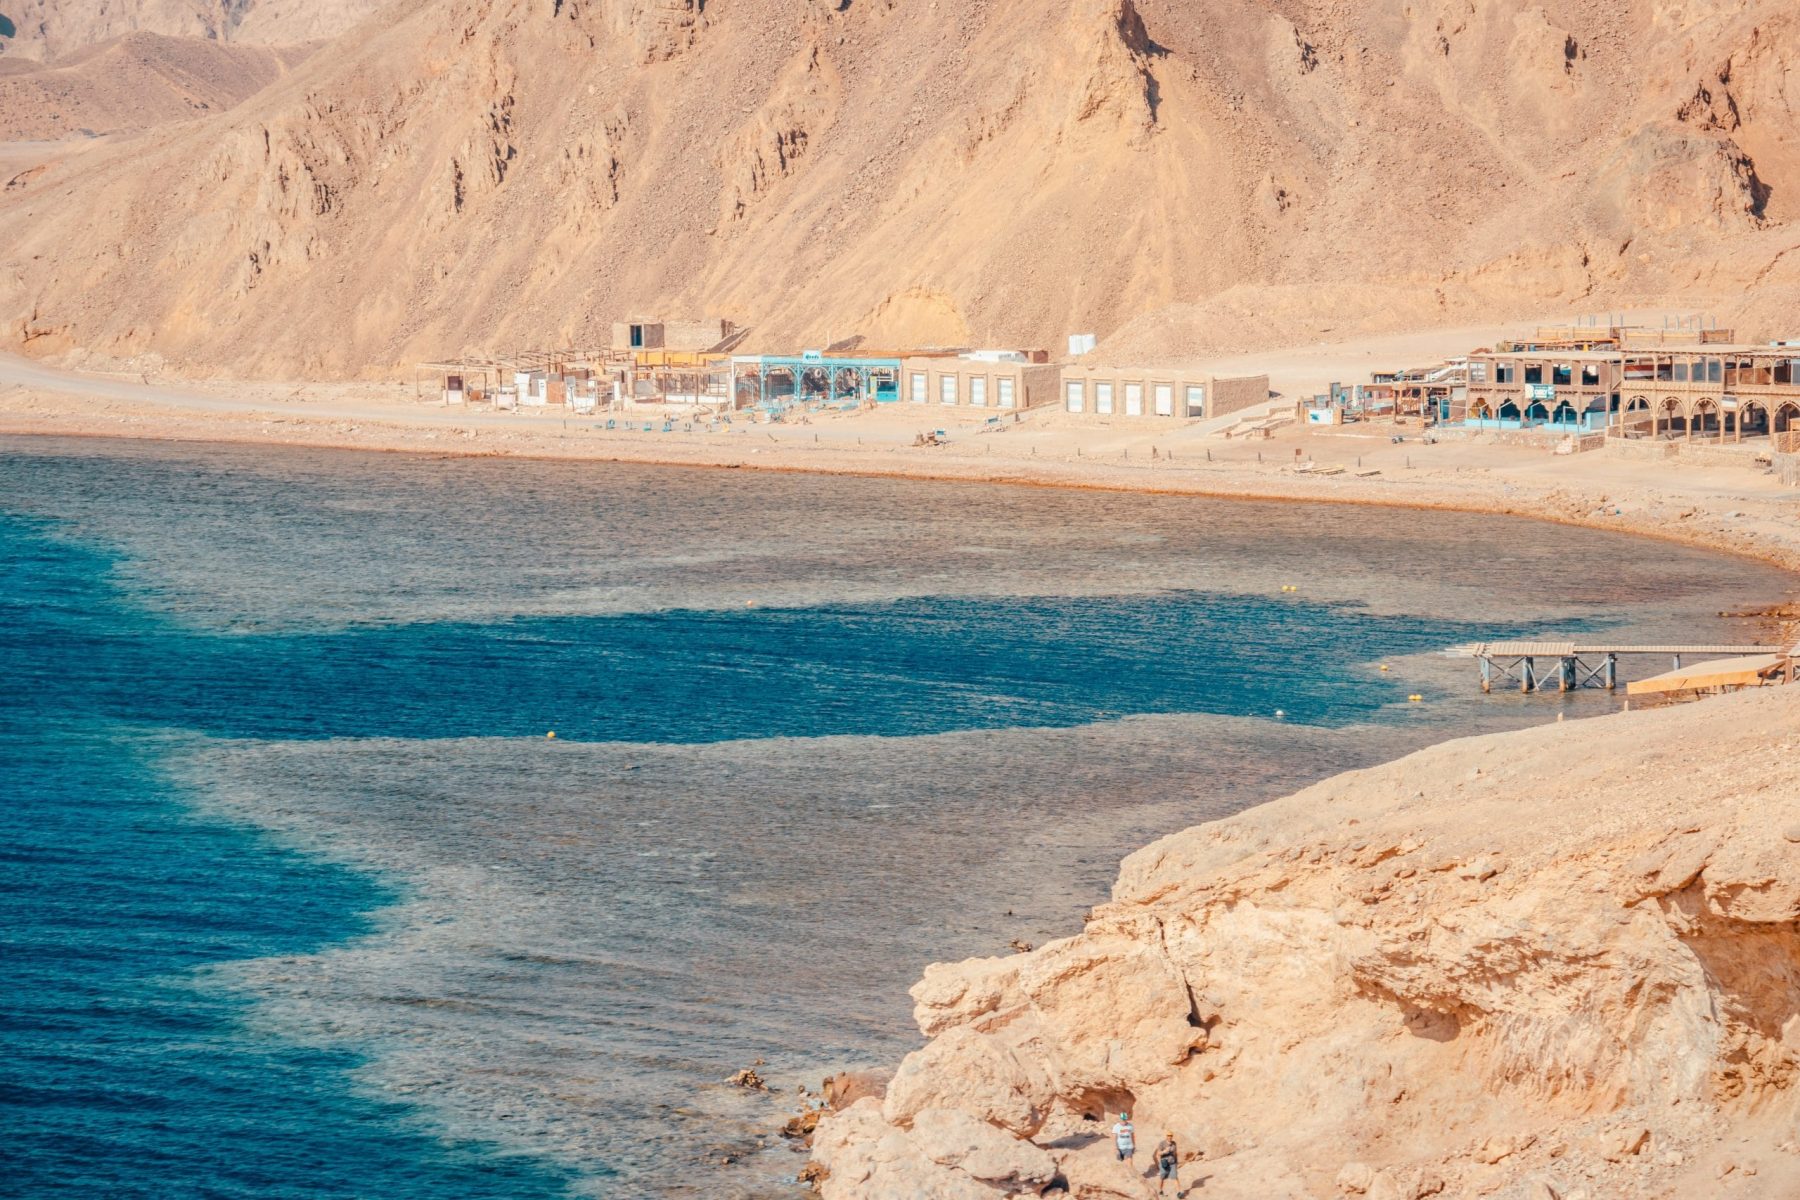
x: 1124, y: 1137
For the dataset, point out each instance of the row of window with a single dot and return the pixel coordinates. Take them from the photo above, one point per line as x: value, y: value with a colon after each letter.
x: 1699, y: 371
x: 1005, y: 395
x: 1705, y: 371
x: 1162, y: 398
x: 1535, y: 373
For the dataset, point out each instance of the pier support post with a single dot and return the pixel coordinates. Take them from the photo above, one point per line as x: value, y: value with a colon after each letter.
x: 1527, y: 676
x: 1566, y: 671
x: 1487, y: 674
x: 1612, y: 672
x: 1678, y: 662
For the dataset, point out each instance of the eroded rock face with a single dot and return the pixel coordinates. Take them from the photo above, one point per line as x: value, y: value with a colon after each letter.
x: 1565, y: 960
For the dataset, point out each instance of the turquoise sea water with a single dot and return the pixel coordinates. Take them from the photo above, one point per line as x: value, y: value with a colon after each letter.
x: 299, y: 899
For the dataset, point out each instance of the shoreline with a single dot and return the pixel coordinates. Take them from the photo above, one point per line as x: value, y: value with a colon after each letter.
x: 1591, y: 491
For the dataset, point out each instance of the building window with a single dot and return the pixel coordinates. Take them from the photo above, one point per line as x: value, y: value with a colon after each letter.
x: 946, y: 389
x: 1196, y: 400
x: 637, y: 337
x: 1506, y: 373
x: 916, y: 387
x: 1680, y: 372
x: 1560, y: 375
x: 1165, y: 399
x: 1590, y: 376
x: 1134, y: 399
x: 1004, y: 386
x: 978, y: 390
x: 1534, y: 373
x: 1103, y: 393
x: 1076, y: 396
x: 1715, y: 370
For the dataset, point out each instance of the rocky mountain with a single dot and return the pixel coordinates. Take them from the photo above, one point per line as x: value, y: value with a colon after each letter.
x: 51, y: 29
x: 1507, y: 966
x: 132, y: 83
x: 1184, y: 175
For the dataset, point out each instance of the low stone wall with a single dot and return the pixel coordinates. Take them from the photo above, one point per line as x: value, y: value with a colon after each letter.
x: 1701, y: 454
x: 1548, y: 441
x: 1724, y: 455
x: 1641, y: 450
x: 1787, y: 469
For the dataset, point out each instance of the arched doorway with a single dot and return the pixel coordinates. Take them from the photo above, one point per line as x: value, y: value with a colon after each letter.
x: 1704, y: 418
x: 1671, y: 416
x: 1752, y: 418
x: 1787, y: 416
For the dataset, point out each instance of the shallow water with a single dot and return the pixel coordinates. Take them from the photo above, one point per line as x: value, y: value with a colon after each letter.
x: 302, y: 900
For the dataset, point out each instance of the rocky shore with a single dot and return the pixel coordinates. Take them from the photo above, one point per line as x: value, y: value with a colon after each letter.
x: 1563, y: 962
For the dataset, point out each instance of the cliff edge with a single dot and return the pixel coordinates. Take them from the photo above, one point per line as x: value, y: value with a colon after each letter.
x: 1563, y: 962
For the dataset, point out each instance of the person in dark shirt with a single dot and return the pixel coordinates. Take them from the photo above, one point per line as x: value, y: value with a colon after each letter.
x: 1168, y: 1164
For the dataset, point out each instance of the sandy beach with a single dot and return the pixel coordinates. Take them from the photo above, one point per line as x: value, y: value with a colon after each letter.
x: 1728, y: 502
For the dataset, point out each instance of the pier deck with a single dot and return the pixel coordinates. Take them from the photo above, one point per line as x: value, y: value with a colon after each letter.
x: 1591, y: 665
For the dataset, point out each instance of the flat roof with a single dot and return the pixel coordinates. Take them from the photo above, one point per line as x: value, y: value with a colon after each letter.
x: 1572, y: 355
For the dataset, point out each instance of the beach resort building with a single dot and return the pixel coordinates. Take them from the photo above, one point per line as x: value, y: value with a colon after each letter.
x: 776, y: 381
x: 659, y: 333
x: 998, y: 379
x: 993, y: 379
x: 1716, y: 390
x: 1151, y: 392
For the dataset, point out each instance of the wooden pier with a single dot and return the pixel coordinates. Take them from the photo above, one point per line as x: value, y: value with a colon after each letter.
x: 1587, y: 666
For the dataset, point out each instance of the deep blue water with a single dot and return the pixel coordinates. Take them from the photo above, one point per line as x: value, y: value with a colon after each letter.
x: 161, y: 669
x: 901, y: 668
x: 122, y: 1072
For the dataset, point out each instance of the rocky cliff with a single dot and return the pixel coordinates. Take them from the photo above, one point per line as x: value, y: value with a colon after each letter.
x: 1558, y: 963
x: 465, y: 175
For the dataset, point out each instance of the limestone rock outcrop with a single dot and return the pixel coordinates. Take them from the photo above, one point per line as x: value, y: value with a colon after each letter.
x: 1561, y: 962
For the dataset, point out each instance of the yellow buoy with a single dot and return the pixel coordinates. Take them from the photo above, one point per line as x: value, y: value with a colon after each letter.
x: 551, y: 734
x: 1384, y: 666
x: 1415, y: 697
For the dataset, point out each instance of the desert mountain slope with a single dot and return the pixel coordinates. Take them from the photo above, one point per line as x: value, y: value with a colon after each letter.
x: 53, y: 29
x: 1557, y: 963
x: 478, y: 174
x: 133, y: 82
